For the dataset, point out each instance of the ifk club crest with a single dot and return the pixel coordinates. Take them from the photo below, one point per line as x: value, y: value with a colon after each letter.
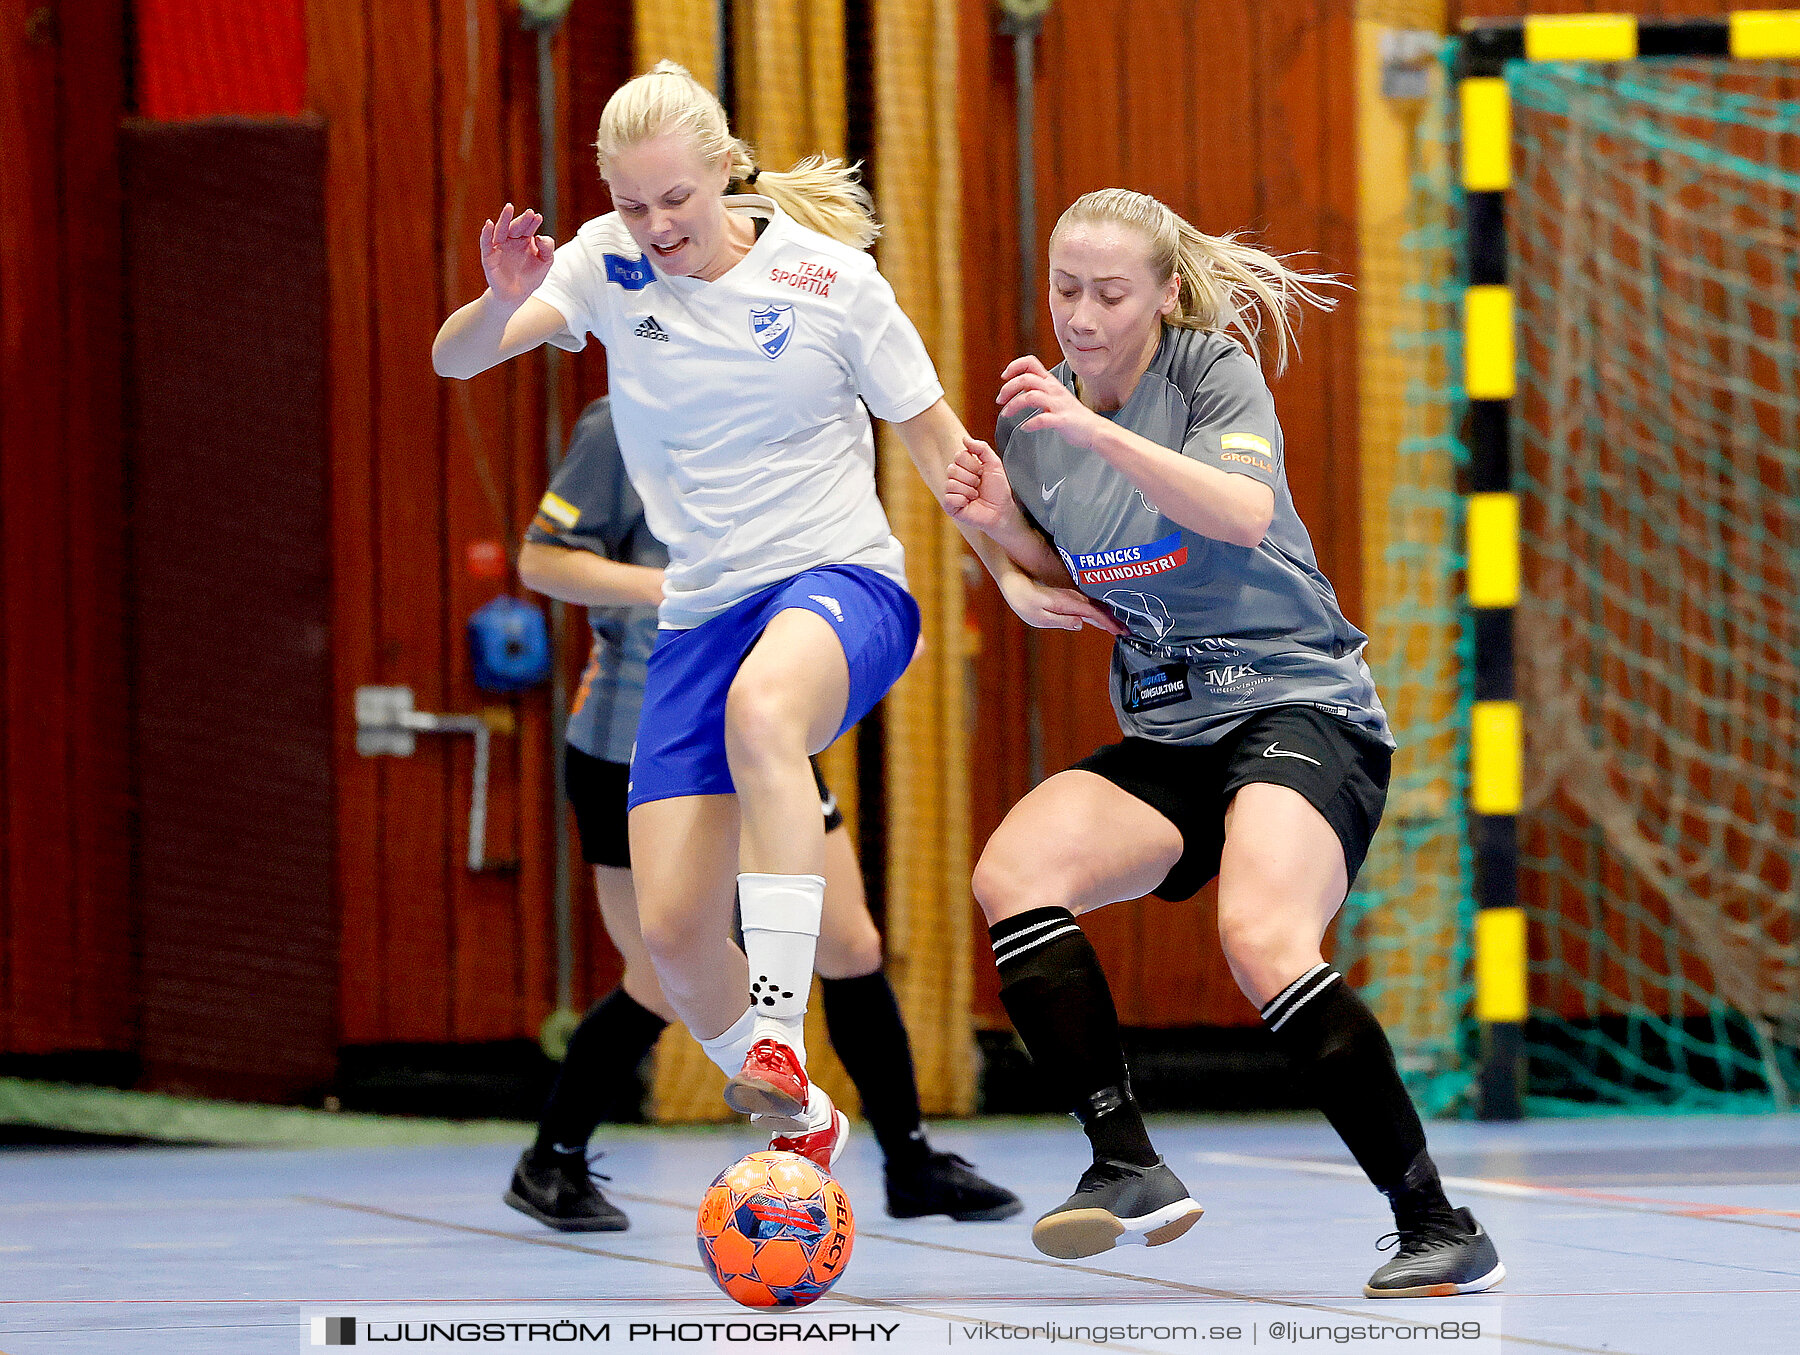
x: 772, y: 327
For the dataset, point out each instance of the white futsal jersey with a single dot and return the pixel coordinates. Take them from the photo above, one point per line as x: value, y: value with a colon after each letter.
x: 736, y: 401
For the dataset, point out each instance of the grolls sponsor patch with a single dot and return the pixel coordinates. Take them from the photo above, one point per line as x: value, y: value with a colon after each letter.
x: 1128, y: 562
x: 1248, y: 449
x: 560, y: 511
x: 1156, y: 687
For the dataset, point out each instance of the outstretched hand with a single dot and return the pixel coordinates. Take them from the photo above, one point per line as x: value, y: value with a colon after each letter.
x: 515, y: 258
x: 1027, y: 386
x: 976, y: 491
x: 1048, y: 607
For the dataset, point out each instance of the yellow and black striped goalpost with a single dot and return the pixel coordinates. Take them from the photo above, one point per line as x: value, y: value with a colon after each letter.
x: 1490, y: 377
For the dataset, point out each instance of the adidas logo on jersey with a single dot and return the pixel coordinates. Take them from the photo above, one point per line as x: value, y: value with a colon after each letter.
x: 649, y: 329
x: 829, y: 604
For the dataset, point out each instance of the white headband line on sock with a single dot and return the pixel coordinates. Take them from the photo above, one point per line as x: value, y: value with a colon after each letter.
x: 1331, y: 978
x: 1034, y: 927
x: 1000, y: 959
x: 1276, y: 1001
x: 1298, y: 993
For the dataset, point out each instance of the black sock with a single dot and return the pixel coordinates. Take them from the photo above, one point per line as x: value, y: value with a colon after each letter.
x: 1056, y: 993
x: 604, y: 1051
x: 1340, y: 1054
x: 864, y: 1023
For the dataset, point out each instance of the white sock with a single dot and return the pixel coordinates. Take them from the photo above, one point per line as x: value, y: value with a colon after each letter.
x: 781, y: 931
x: 729, y: 1050
x: 814, y: 1115
x: 819, y: 1109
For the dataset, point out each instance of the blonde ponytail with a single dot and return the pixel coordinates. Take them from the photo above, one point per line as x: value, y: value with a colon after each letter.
x: 1227, y: 286
x: 826, y: 195
x: 822, y: 194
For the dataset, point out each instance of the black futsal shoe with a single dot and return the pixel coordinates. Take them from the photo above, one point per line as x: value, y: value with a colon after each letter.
x: 1443, y: 1251
x: 943, y: 1183
x: 1117, y: 1204
x: 558, y: 1190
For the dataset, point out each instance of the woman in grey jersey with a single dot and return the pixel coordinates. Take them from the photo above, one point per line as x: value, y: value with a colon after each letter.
x: 589, y: 544
x: 1149, y: 465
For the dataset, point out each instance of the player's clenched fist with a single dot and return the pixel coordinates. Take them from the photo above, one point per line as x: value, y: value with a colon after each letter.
x: 976, y: 491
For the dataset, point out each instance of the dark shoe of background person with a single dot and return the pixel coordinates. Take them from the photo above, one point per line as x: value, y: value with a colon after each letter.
x: 943, y: 1183
x: 558, y: 1190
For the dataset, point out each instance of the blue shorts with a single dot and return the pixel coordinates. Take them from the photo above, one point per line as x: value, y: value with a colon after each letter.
x: 681, y: 732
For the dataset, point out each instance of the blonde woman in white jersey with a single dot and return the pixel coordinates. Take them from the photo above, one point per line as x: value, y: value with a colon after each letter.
x: 741, y: 330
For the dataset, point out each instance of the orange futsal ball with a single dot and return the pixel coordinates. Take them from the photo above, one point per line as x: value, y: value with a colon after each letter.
x: 775, y: 1231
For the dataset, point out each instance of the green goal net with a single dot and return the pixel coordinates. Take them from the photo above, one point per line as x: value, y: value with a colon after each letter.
x: 1654, y: 256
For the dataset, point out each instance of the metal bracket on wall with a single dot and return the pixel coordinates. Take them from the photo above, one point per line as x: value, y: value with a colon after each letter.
x: 1020, y: 14
x: 544, y: 18
x: 1408, y: 56
x: 387, y: 725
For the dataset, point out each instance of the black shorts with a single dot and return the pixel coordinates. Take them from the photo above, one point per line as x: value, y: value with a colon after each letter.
x: 596, y: 790
x: 1341, y: 770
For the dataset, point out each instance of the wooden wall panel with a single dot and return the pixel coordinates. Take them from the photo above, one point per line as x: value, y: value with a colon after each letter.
x: 1238, y: 112
x: 337, y: 74
x: 474, y: 174
x: 1306, y: 197
x: 1239, y: 115
x: 599, y: 60
x: 417, y: 839
x: 1000, y: 743
x: 66, y: 977
x: 1226, y: 110
x: 419, y: 469
x: 509, y: 461
x: 433, y: 113
x: 33, y: 549
x: 91, y: 95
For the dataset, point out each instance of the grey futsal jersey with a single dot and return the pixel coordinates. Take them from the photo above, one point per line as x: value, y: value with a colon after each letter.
x: 1218, y: 631
x: 592, y: 506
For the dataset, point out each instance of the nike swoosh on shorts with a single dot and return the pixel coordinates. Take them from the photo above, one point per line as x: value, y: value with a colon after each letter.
x: 1276, y: 750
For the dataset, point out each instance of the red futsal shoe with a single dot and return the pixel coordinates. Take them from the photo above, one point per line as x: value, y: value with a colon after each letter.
x: 772, y: 1082
x: 821, y: 1146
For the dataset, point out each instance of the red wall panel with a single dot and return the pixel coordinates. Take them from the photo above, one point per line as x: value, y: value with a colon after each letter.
x: 230, y: 605
x: 66, y: 968
x: 433, y: 125
x: 1236, y: 112
x: 417, y: 836
x: 338, y: 73
x: 33, y: 557
x: 204, y: 58
x: 479, y: 503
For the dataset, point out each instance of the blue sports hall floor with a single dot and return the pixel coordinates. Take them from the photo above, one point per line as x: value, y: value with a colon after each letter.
x: 1628, y: 1234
